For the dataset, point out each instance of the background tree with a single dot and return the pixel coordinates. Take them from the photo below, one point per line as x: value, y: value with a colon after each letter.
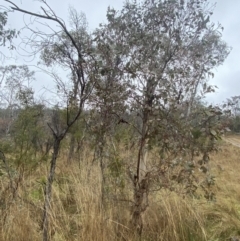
x: 231, y: 119
x: 15, y: 90
x: 108, y: 106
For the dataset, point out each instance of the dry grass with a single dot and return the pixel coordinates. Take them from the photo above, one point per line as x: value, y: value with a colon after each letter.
x: 77, y: 212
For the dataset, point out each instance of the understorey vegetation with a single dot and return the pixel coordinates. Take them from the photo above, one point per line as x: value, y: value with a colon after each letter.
x: 124, y: 147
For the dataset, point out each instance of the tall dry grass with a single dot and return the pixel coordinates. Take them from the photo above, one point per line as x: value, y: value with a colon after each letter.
x: 77, y: 211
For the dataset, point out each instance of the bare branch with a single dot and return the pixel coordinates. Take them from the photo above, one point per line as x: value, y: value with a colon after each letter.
x: 56, y: 19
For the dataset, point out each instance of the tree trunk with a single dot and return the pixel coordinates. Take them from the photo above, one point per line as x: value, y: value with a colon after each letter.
x: 48, y: 188
x: 99, y: 156
x: 141, y: 179
x: 141, y: 182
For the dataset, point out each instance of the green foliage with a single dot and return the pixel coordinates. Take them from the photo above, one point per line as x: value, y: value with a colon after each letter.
x: 124, y: 134
x: 115, y: 166
x: 29, y: 135
x: 165, y: 57
x: 231, y: 117
x: 6, y: 35
x: 235, y: 125
x: 141, y: 75
x: 196, y: 133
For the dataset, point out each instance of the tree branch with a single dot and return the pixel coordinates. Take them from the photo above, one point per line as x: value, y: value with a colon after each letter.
x: 56, y: 19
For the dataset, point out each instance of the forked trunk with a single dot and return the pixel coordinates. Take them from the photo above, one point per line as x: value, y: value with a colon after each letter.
x: 141, y: 180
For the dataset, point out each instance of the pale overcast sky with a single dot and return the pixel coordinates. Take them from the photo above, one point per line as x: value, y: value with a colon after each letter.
x: 227, y: 12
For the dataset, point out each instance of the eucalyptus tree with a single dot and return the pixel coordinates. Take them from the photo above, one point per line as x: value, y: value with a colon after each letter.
x: 153, y: 59
x: 232, y: 118
x: 15, y: 90
x: 166, y: 51
x: 70, y: 50
x: 108, y: 105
